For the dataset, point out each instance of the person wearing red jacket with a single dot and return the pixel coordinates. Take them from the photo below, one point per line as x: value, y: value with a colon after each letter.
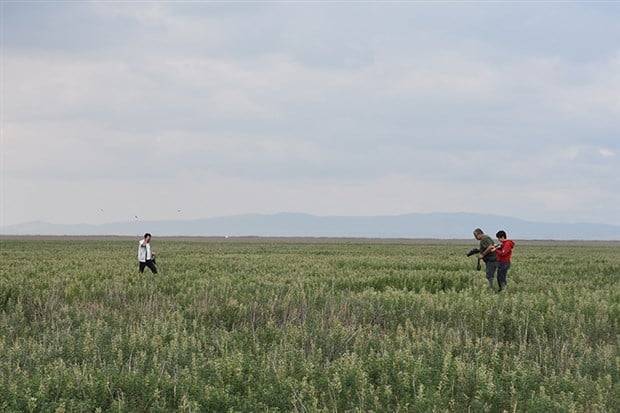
x: 504, y: 255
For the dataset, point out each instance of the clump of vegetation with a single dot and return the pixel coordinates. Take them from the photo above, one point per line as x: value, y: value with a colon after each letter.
x: 255, y: 326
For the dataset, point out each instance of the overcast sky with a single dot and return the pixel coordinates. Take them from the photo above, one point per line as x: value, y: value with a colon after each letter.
x: 111, y: 110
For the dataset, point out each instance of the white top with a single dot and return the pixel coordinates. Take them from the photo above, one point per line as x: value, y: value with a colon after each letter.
x: 144, y: 251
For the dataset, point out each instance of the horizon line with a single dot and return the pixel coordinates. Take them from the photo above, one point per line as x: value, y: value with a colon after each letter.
x: 180, y: 219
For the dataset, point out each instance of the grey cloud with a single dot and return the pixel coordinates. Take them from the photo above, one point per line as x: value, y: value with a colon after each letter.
x: 318, y: 97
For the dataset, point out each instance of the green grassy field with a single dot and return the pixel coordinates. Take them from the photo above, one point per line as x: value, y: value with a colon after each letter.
x: 284, y: 326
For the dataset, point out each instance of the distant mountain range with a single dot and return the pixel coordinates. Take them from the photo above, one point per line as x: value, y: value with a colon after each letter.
x: 431, y: 225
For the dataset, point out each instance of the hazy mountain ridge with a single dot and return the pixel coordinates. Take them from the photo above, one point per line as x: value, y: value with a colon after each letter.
x: 418, y: 225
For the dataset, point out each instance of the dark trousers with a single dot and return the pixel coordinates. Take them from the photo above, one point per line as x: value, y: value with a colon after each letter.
x: 490, y: 267
x: 502, y: 273
x: 150, y: 264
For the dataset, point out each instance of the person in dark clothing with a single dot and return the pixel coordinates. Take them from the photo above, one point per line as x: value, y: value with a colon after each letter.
x: 146, y: 258
x: 504, y: 256
x: 487, y: 254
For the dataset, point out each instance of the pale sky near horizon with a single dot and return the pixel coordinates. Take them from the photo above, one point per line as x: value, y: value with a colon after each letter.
x: 116, y: 109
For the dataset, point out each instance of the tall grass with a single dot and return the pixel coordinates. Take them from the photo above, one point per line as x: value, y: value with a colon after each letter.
x: 267, y: 326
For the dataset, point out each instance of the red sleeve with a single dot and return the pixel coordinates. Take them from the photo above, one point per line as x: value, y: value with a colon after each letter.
x: 504, y: 250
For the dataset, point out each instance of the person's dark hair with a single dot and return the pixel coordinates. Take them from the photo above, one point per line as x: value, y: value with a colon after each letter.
x: 147, y: 235
x: 501, y: 234
x: 478, y: 231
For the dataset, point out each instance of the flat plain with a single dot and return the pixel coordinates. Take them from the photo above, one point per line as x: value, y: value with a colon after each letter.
x: 306, y: 325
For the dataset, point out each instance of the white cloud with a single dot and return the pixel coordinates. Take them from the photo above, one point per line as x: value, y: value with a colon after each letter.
x: 571, y: 153
x: 326, y: 116
x: 607, y: 153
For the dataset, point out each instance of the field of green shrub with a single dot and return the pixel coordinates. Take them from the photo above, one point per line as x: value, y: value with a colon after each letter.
x: 282, y: 326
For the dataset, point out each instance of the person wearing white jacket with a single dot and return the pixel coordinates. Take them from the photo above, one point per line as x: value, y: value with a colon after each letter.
x: 146, y: 258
